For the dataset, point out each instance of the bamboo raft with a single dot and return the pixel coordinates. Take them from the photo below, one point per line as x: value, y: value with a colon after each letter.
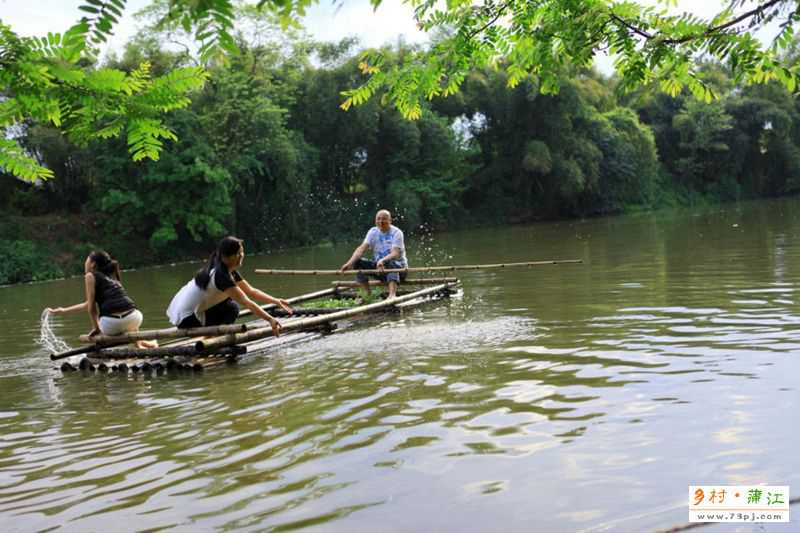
x: 197, y: 349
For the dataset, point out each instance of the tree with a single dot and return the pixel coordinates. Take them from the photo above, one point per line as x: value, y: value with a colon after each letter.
x: 629, y: 164
x: 44, y: 81
x: 49, y: 80
x: 765, y: 141
x: 248, y: 169
x: 538, y: 38
x: 371, y: 156
x: 186, y: 193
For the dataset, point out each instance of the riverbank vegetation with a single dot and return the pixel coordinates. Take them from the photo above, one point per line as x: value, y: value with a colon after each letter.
x: 264, y: 151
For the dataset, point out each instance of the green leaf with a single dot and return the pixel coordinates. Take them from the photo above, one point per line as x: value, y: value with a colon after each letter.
x: 106, y: 80
x: 17, y: 163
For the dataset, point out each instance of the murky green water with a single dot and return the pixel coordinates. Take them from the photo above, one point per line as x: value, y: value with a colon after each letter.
x: 569, y: 398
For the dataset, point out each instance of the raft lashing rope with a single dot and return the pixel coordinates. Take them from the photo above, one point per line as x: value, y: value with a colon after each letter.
x: 48, y: 339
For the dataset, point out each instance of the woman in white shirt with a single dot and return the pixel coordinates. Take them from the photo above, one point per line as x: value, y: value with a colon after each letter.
x: 214, y: 295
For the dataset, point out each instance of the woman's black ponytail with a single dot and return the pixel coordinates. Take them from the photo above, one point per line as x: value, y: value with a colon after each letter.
x: 203, y: 276
x: 116, y: 272
x: 105, y: 264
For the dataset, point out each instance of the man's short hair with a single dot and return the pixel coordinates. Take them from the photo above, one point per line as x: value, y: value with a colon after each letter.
x: 383, y: 211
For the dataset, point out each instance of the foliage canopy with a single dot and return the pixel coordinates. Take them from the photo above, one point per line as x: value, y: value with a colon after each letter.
x: 50, y: 79
x: 539, y: 38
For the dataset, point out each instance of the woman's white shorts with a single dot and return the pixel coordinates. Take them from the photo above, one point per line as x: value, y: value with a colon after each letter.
x: 111, y: 325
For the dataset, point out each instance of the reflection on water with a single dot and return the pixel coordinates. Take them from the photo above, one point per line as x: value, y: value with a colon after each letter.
x: 573, y: 398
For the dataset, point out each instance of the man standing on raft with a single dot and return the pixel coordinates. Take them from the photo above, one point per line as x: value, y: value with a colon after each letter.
x: 389, y: 251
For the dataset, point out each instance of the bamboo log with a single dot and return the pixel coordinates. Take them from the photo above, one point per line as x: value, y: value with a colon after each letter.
x: 74, y: 351
x: 416, y: 281
x: 298, y: 311
x: 217, y: 361
x: 259, y: 333
x: 188, y: 350
x: 89, y: 350
x: 79, y: 351
x: 295, y: 300
x: 230, y: 351
x: 169, y: 333
x: 416, y: 269
x: 352, y: 292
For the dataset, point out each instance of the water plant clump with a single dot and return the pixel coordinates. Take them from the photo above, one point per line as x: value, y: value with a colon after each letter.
x: 332, y: 303
x: 363, y: 298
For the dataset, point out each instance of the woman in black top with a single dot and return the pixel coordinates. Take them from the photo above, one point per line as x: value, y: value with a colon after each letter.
x: 111, y: 310
x: 214, y: 295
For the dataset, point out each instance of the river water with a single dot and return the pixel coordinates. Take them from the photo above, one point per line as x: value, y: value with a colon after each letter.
x: 557, y: 398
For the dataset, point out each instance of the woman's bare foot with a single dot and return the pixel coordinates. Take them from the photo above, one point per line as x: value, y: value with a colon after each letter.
x: 147, y: 344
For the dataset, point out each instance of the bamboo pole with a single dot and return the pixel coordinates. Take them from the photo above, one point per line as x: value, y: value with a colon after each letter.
x: 416, y: 269
x: 74, y: 351
x: 169, y: 333
x: 409, y: 281
x: 295, y: 300
x: 188, y: 350
x: 259, y: 333
x: 352, y: 292
x: 305, y: 311
x: 97, y: 348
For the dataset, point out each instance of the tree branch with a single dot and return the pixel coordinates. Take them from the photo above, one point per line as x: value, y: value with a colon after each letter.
x: 708, y: 32
x: 721, y: 27
x: 631, y: 27
x: 491, y: 22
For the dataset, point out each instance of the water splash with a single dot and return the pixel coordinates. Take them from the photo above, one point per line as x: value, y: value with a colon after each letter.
x: 336, y: 216
x: 427, y: 250
x: 48, y: 338
x: 408, y: 337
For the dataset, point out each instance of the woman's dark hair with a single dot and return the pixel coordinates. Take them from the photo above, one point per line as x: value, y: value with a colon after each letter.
x: 105, y: 264
x: 227, y: 247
